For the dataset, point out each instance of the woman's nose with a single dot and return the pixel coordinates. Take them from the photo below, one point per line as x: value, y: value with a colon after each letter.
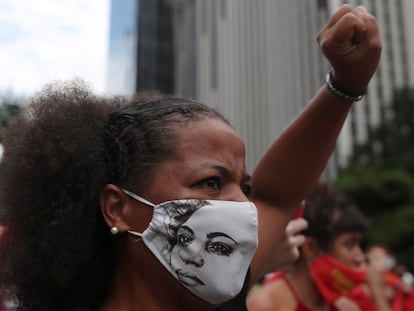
x: 194, y: 259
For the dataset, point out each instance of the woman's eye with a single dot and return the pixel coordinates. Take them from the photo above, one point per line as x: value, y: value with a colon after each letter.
x: 184, y: 240
x: 219, y: 248
x: 247, y: 190
x: 212, y: 182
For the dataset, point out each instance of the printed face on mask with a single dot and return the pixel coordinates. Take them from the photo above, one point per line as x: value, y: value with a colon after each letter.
x: 207, y: 245
x: 209, y: 249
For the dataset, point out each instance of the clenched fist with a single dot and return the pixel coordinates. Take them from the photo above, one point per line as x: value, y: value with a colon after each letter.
x: 351, y: 42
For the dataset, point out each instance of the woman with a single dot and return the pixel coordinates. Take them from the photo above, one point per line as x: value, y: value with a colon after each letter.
x: 71, y: 240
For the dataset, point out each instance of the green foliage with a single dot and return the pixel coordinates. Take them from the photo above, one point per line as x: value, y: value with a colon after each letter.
x: 391, y: 144
x: 395, y: 229
x: 377, y: 190
x: 380, y: 178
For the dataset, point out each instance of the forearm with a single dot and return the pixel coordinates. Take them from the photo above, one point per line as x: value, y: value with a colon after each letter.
x: 294, y: 162
x: 379, y: 298
x: 376, y: 288
x: 351, y: 43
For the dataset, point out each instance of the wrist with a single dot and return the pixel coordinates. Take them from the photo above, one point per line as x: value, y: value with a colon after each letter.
x: 340, y: 91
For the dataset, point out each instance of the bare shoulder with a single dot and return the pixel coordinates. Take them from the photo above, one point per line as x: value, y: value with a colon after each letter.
x: 275, y: 296
x: 346, y: 304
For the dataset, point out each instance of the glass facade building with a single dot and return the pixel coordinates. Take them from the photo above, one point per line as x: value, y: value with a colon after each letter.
x: 122, y: 52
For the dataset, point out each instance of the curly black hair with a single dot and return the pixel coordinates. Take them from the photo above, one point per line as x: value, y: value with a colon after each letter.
x: 330, y: 213
x: 56, y: 252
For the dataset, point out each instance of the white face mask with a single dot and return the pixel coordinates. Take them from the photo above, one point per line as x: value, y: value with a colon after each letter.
x: 207, y: 245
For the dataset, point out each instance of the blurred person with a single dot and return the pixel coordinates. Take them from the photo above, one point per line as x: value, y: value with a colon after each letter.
x: 398, y: 292
x: 331, y: 272
x: 93, y: 190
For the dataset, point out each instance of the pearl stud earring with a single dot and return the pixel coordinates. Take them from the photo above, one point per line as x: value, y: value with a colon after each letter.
x: 114, y: 230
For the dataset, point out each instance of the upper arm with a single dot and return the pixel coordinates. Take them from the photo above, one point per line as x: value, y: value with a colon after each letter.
x: 272, y: 226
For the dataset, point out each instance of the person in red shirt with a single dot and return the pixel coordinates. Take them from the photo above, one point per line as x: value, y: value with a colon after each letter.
x: 331, y: 272
x: 398, y: 292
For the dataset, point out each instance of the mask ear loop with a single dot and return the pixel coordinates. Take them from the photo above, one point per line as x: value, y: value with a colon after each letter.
x: 137, y: 234
x: 139, y: 199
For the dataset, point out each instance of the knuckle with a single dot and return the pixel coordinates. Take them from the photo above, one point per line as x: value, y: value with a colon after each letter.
x: 375, y: 45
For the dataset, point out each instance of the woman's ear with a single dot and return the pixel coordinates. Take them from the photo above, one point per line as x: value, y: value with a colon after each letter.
x: 113, y: 204
x: 310, y: 249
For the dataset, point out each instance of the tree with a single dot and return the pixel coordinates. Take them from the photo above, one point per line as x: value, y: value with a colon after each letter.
x: 380, y: 178
x: 391, y: 144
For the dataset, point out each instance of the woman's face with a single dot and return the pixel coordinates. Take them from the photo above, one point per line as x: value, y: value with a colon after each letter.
x: 347, y: 249
x: 209, y: 164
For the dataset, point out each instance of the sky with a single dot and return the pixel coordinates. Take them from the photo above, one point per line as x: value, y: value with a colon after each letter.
x: 46, y: 40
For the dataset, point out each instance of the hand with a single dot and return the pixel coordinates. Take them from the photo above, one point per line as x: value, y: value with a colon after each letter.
x: 287, y: 252
x: 377, y: 288
x: 351, y: 42
x: 375, y: 275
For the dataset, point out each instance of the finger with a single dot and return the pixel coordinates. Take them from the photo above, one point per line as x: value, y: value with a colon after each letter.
x: 370, y: 22
x: 362, y: 11
x: 295, y: 226
x: 295, y: 254
x: 344, y: 9
x: 349, y: 29
x: 297, y: 240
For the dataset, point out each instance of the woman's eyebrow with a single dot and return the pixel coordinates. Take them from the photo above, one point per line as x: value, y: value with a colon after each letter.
x: 187, y: 228
x: 226, y: 172
x: 222, y: 169
x: 212, y: 235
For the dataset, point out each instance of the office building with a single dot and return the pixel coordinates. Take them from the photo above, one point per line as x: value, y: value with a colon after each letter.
x: 258, y: 62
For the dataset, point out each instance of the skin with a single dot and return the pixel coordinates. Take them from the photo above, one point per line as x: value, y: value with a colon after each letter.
x: 210, y: 164
x: 380, y: 258
x: 347, y: 249
x: 277, y: 296
x: 288, y: 251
